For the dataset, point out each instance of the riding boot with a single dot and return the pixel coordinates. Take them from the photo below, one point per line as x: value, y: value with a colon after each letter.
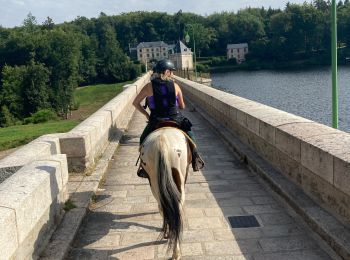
x: 142, y: 173
x: 197, y: 161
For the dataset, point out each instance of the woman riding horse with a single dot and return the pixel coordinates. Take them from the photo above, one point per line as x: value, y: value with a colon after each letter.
x: 164, y: 99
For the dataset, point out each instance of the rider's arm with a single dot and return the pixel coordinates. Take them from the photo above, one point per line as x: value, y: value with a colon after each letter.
x: 146, y: 91
x: 179, y: 97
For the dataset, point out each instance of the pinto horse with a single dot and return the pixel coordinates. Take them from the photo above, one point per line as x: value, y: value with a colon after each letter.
x: 166, y: 156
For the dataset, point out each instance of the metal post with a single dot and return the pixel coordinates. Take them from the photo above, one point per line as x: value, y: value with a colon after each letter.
x: 334, y: 65
x: 194, y: 49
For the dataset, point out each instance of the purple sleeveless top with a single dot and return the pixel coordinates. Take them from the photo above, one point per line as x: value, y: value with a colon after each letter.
x: 152, y: 105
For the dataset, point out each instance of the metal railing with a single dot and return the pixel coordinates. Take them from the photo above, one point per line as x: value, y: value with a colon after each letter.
x: 191, y: 75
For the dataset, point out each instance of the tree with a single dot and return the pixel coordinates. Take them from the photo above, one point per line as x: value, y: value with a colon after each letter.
x: 30, y: 23
x: 201, y: 35
x: 48, y: 24
x: 11, y: 91
x: 246, y: 28
x: 35, y: 88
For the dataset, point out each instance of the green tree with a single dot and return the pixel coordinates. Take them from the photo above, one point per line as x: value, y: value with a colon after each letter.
x: 11, y: 91
x: 201, y: 35
x: 35, y: 85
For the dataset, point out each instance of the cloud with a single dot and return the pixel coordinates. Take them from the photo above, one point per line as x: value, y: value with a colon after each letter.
x: 13, y: 12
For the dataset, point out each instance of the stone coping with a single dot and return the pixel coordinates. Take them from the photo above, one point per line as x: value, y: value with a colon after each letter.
x: 39, y: 149
x: 314, y: 156
x: 31, y: 202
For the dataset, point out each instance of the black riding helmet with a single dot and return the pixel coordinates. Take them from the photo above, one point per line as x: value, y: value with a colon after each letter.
x: 164, y: 65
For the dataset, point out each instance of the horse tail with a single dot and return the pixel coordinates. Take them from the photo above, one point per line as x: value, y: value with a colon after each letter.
x: 169, y: 195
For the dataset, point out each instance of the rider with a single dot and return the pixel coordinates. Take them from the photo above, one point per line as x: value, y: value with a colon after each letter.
x: 164, y: 98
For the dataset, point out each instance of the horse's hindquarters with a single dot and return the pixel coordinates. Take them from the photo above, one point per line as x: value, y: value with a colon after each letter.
x: 164, y: 155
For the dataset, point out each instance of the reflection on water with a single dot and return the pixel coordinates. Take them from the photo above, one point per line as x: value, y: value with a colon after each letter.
x: 305, y: 93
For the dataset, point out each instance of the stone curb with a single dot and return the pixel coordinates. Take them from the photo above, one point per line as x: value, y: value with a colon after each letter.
x: 60, y: 242
x: 330, y: 229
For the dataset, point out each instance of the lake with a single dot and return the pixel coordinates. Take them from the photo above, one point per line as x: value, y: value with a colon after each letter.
x: 307, y: 93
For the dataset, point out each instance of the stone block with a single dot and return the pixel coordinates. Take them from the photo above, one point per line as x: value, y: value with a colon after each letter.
x: 288, y: 144
x: 27, y: 154
x: 342, y: 175
x: 241, y: 118
x: 8, y: 238
x: 205, y: 223
x: 75, y: 145
x: 38, y: 237
x: 287, y: 243
x: 325, y: 193
x: 267, y: 132
x: 287, y: 166
x: 53, y: 140
x: 263, y: 148
x: 253, y: 124
x: 319, y: 161
x: 30, y: 192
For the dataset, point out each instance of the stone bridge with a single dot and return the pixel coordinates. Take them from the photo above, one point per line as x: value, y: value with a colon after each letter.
x: 285, y: 178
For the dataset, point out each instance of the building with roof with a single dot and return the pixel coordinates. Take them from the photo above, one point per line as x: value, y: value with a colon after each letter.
x: 237, y: 51
x: 152, y: 51
x: 182, y: 56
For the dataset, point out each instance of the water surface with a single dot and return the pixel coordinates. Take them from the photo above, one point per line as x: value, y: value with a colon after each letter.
x: 307, y: 93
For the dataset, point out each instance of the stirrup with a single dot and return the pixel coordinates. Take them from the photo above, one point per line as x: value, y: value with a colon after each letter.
x: 142, y: 173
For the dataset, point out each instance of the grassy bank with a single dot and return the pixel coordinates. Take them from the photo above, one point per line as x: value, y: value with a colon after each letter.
x: 14, y: 136
x: 89, y: 98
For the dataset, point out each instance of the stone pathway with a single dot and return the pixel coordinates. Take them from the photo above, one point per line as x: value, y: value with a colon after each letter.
x: 124, y: 223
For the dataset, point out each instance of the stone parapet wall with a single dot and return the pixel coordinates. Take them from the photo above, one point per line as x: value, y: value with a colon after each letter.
x: 85, y: 143
x: 31, y: 205
x: 314, y: 156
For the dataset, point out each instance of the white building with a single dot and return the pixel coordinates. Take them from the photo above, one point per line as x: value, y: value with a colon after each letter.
x: 182, y: 56
x: 237, y: 51
x: 152, y: 51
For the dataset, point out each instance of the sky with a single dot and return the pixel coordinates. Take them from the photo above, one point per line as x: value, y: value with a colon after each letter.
x: 13, y: 12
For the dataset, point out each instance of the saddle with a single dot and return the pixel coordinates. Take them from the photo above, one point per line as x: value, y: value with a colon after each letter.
x: 174, y: 124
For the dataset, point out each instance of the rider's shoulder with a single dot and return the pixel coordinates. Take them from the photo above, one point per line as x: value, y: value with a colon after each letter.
x: 177, y: 86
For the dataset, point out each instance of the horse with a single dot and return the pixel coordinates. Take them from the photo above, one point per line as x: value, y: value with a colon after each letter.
x: 165, y: 155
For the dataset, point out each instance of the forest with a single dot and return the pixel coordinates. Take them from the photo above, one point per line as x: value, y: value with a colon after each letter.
x: 42, y: 63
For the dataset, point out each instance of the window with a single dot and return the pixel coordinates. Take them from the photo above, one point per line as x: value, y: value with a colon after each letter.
x: 140, y: 55
x: 147, y: 50
x: 147, y: 55
x: 231, y: 50
x: 157, y: 54
x: 163, y: 49
x: 164, y: 54
x: 152, y: 49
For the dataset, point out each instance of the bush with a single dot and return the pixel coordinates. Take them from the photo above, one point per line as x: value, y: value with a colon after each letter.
x: 6, y: 118
x: 202, y: 67
x: 135, y: 71
x: 41, y: 116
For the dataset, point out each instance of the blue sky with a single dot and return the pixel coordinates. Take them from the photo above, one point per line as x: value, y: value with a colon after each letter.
x: 13, y: 12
